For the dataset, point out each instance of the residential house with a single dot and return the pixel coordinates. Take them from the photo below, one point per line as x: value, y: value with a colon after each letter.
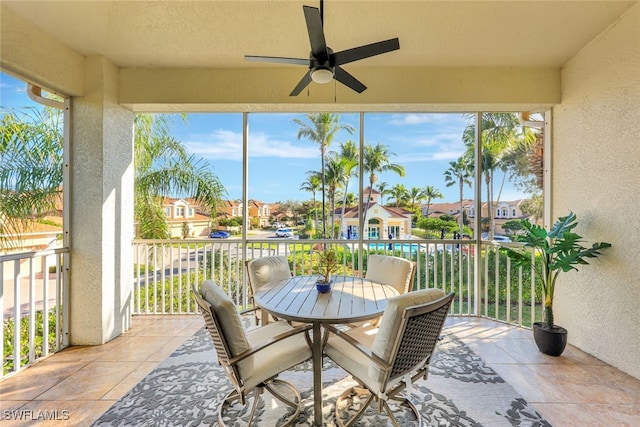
x: 380, y: 221
x: 259, y: 213
x: 183, y: 213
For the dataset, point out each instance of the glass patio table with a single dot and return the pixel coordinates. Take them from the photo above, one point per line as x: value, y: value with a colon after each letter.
x: 352, y: 299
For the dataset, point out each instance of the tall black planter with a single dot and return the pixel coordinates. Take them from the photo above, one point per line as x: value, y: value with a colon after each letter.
x: 550, y: 341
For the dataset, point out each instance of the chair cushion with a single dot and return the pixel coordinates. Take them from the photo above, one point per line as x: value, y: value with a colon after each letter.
x: 228, y: 316
x: 352, y: 361
x: 391, y: 321
x: 275, y: 358
x: 390, y: 270
x: 267, y: 269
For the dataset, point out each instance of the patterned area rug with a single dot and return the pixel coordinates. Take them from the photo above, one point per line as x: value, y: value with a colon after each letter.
x: 187, y: 387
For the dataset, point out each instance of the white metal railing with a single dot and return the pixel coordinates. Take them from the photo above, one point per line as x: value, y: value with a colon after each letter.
x: 33, y: 295
x: 165, y: 271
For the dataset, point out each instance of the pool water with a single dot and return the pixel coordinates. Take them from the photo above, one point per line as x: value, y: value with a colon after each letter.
x: 402, y: 247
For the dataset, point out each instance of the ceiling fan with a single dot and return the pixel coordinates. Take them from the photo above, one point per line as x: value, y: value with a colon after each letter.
x: 325, y: 64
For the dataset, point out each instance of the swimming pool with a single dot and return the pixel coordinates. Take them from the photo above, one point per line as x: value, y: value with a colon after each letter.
x: 401, y: 247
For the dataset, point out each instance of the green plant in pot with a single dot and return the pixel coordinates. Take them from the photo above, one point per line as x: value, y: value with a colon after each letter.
x: 328, y: 263
x: 559, y: 250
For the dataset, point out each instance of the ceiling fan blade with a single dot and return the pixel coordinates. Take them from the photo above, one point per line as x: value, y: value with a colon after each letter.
x: 302, y: 84
x: 347, y: 79
x: 278, y: 59
x: 316, y: 33
x: 366, y: 51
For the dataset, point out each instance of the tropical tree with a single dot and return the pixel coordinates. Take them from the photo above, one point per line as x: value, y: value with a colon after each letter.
x: 336, y: 176
x: 400, y: 194
x: 459, y: 173
x: 31, y: 168
x: 502, y: 134
x: 430, y: 193
x: 383, y: 189
x: 163, y: 167
x: 415, y: 195
x: 313, y: 184
x: 321, y: 128
x: 349, y: 157
x: 376, y: 159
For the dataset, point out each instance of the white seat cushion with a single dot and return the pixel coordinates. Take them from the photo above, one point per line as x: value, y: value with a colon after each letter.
x: 228, y: 316
x: 267, y: 269
x: 390, y: 270
x: 391, y: 320
x: 275, y: 358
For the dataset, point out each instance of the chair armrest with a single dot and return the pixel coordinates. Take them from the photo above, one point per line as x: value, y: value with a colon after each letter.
x: 253, y: 350
x: 359, y: 346
x: 249, y: 310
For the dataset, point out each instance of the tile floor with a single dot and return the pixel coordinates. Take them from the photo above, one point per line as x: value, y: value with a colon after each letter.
x: 78, y: 384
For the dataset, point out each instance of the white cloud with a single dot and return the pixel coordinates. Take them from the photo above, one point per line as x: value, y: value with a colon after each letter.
x: 411, y: 119
x: 227, y: 145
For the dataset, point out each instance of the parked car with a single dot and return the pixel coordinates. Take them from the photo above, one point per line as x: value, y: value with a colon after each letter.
x: 284, y: 232
x: 220, y: 234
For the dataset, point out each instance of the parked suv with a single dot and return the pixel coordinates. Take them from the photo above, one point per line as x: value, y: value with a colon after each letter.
x: 284, y: 232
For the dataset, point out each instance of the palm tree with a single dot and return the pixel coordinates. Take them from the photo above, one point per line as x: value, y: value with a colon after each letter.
x: 400, y: 193
x: 313, y: 184
x: 460, y: 173
x: 383, y: 189
x: 321, y: 128
x: 31, y: 168
x: 336, y: 176
x: 162, y: 167
x: 350, y: 158
x: 31, y: 179
x: 375, y: 161
x: 502, y: 134
x: 430, y: 193
x: 415, y: 195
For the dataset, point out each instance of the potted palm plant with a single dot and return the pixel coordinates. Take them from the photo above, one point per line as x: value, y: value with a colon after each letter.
x: 328, y: 263
x: 559, y: 250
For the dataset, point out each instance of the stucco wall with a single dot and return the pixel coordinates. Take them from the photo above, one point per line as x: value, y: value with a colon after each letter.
x: 596, y: 173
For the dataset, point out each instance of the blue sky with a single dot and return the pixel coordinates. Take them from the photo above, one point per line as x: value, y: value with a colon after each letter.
x: 423, y: 143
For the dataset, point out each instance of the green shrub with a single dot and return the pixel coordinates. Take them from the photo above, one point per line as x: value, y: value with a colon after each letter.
x: 9, y: 331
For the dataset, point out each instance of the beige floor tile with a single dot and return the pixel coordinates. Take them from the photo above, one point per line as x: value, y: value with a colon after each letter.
x: 167, y: 349
x: 130, y: 381
x: 37, y: 379
x: 90, y: 383
x: 572, y: 415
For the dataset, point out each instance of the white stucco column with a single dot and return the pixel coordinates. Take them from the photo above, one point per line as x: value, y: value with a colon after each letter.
x: 101, y: 219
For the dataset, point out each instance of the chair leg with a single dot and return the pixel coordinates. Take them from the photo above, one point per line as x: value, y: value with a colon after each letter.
x: 348, y: 395
x: 362, y: 392
x: 234, y: 395
x: 293, y: 404
x: 256, y: 393
x: 409, y: 404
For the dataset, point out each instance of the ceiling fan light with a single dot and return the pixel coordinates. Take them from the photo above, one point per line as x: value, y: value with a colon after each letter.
x: 322, y: 75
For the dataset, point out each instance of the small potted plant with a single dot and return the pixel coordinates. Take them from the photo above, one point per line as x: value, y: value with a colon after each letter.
x: 561, y: 250
x: 328, y: 263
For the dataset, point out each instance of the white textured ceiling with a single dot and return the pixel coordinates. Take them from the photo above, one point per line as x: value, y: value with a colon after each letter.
x: 217, y: 34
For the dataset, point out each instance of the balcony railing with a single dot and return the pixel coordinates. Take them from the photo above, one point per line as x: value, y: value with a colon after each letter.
x: 33, y: 295
x: 33, y: 285
x: 165, y: 272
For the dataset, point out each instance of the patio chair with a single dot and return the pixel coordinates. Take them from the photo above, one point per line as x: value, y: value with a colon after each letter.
x: 253, y: 359
x: 390, y: 361
x: 264, y: 270
x: 391, y: 270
